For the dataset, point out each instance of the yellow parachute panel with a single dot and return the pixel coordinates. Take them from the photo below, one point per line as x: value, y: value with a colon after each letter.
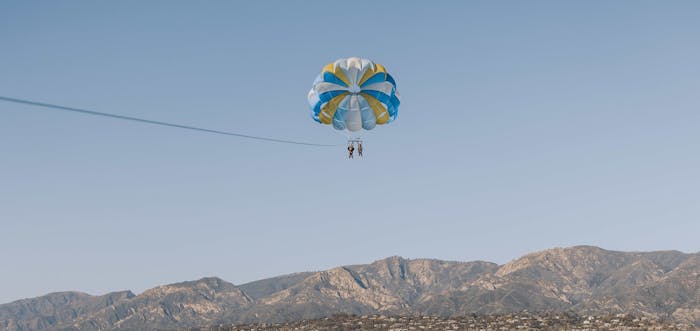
x: 380, y: 113
x: 328, y: 110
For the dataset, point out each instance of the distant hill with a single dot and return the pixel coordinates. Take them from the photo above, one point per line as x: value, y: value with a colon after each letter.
x: 581, y: 279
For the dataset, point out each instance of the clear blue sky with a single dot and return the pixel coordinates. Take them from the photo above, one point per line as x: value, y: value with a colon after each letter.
x: 523, y: 126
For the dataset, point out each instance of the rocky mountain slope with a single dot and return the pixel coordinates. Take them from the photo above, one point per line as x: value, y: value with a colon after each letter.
x: 56, y: 308
x: 581, y: 279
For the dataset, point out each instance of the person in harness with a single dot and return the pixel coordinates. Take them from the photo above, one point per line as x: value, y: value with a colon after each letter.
x: 351, y: 148
x: 359, y: 148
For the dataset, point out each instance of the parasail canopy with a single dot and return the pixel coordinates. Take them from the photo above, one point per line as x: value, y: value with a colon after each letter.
x: 354, y: 94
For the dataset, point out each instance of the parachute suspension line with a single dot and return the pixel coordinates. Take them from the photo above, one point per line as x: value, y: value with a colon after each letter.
x: 135, y: 119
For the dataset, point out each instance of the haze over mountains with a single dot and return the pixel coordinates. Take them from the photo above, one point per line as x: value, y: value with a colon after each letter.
x: 581, y: 279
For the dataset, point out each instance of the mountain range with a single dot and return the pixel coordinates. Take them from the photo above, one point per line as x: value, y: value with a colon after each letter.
x: 580, y: 279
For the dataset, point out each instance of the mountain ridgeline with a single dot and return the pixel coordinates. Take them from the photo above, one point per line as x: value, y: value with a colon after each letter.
x: 581, y: 279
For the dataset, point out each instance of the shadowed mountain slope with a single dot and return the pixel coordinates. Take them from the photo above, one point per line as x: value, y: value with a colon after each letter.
x: 262, y: 288
x: 54, y: 309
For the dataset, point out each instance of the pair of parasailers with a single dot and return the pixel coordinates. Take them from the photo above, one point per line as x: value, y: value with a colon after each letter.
x: 351, y: 149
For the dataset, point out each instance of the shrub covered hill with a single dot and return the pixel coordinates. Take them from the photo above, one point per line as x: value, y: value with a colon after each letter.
x: 583, y: 280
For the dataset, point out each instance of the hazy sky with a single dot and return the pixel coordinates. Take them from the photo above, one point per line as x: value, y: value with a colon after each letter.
x: 523, y: 126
